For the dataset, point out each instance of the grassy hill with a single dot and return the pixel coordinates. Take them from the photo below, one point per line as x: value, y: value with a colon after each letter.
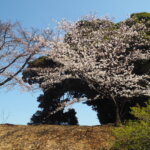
x: 55, y: 137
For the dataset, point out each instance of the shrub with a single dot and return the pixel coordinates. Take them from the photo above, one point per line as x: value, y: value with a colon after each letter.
x: 135, y: 135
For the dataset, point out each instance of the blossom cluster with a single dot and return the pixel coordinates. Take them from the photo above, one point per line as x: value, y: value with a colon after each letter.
x: 102, y: 54
x: 17, y: 48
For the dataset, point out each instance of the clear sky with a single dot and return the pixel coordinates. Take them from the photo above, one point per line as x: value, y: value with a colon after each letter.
x: 17, y: 107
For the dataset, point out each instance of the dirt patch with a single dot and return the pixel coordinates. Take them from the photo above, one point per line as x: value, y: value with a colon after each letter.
x: 55, y: 137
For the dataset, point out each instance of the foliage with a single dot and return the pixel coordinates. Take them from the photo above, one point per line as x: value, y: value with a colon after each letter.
x: 105, y: 108
x: 102, y: 56
x: 135, y: 135
x: 141, y: 16
x: 48, y: 103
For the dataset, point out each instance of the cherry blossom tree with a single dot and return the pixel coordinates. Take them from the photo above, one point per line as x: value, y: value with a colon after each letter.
x: 17, y: 48
x: 104, y: 58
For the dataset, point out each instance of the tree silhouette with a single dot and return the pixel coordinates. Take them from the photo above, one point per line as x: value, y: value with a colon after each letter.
x: 48, y: 104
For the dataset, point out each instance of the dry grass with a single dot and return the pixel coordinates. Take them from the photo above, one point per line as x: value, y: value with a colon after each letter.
x: 54, y: 137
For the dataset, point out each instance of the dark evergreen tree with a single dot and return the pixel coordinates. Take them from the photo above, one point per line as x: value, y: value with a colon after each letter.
x: 50, y: 100
x: 48, y: 105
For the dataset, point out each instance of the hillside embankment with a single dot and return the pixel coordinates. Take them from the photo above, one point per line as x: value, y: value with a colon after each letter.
x: 55, y: 137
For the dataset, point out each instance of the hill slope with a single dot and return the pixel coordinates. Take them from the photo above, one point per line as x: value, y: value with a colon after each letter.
x: 54, y: 137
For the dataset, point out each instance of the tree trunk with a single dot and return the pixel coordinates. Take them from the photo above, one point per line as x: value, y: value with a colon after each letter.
x: 118, y: 120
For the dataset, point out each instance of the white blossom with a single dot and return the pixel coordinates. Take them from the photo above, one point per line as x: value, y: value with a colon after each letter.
x: 104, y: 56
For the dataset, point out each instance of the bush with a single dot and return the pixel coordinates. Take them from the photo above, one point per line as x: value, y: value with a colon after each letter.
x: 135, y: 135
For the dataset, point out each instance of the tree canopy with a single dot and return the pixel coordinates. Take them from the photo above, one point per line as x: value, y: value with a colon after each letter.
x: 103, y: 55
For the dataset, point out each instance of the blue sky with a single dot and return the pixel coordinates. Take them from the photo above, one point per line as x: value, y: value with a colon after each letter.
x: 17, y: 107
